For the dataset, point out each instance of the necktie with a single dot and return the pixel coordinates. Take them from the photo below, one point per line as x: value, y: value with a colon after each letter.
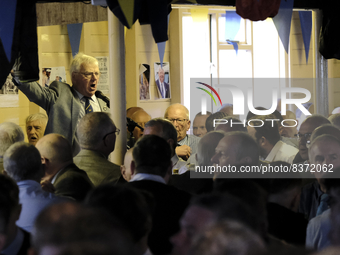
x: 162, y: 89
x: 323, y: 204
x: 88, y: 106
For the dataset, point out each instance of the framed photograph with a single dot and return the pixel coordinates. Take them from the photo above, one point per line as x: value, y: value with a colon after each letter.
x: 162, y: 78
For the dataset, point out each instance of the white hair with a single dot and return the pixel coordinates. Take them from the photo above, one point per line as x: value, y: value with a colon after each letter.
x: 10, y: 133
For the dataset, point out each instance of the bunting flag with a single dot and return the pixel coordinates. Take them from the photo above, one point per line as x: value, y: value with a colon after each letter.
x: 161, y: 48
x: 283, y: 20
x: 232, y: 26
x: 7, y: 21
x: 74, y: 35
x: 128, y: 7
x: 306, y: 28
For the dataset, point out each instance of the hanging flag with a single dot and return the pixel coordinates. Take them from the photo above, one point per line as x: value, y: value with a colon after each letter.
x: 74, y: 34
x: 7, y: 21
x: 161, y: 47
x: 283, y: 20
x: 232, y: 26
x: 128, y: 7
x: 306, y: 28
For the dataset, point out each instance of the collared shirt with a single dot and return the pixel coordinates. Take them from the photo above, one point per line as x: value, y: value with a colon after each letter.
x: 149, y: 177
x: 56, y: 176
x: 93, y: 101
x: 310, y: 199
x: 33, y: 199
x: 317, y: 231
x: 191, y: 141
x: 15, y: 246
x: 282, y: 152
x: 179, y: 166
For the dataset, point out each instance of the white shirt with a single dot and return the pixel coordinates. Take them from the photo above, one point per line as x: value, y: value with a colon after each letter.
x: 93, y: 101
x: 179, y: 165
x: 282, y: 152
x: 149, y: 177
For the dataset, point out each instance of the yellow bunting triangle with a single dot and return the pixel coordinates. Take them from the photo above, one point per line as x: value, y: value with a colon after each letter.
x: 199, y: 15
x: 127, y: 7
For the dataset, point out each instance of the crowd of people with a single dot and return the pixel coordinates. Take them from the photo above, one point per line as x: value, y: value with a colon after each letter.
x: 60, y: 195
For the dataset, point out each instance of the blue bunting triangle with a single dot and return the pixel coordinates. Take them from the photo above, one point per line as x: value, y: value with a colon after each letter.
x: 283, y: 20
x: 232, y: 26
x: 306, y: 28
x: 74, y: 35
x: 7, y: 21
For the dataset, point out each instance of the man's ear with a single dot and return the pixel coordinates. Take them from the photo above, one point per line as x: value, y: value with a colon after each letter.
x: 133, y: 167
x: 122, y: 171
x: 262, y: 141
x: 189, y: 124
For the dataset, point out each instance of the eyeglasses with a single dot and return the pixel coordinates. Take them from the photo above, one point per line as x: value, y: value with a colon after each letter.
x: 88, y: 75
x: 305, y: 136
x: 179, y: 121
x: 116, y: 131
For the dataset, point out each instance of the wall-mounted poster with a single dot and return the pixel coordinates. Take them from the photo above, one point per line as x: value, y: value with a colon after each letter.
x: 162, y: 78
x: 144, y: 79
x: 103, y: 83
x: 9, y: 94
x: 50, y: 74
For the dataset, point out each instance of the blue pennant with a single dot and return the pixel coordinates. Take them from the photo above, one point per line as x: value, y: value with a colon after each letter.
x: 232, y: 26
x: 161, y: 47
x: 74, y: 34
x: 282, y: 21
x: 7, y: 21
x: 306, y: 28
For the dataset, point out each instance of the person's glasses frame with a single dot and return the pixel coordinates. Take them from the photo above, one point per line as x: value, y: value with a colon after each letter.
x: 89, y: 75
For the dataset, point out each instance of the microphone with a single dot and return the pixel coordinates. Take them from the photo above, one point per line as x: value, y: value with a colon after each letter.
x: 132, y: 124
x: 100, y: 95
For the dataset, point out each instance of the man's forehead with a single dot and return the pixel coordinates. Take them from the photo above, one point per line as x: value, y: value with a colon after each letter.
x: 174, y: 112
x: 308, y: 126
x: 35, y: 123
x: 200, y: 120
x: 89, y: 66
x: 324, y: 147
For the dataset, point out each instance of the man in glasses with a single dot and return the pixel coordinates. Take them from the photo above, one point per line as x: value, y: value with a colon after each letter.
x: 179, y: 116
x: 97, y: 137
x: 66, y: 105
x: 304, y: 134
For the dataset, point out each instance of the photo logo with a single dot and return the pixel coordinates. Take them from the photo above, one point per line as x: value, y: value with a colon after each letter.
x: 211, y: 95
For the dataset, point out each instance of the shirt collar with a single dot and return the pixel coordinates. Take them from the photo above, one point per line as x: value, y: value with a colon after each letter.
x: 149, y: 177
x: 181, y: 142
x: 80, y: 95
x: 15, y: 246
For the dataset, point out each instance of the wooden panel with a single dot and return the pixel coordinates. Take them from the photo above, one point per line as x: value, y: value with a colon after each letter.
x: 49, y: 14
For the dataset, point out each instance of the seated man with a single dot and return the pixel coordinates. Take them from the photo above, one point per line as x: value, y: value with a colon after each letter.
x: 13, y: 240
x: 152, y: 164
x: 66, y: 177
x: 10, y: 133
x: 27, y: 172
x: 198, y: 125
x: 35, y: 127
x: 267, y: 136
x: 97, y: 137
x: 179, y: 116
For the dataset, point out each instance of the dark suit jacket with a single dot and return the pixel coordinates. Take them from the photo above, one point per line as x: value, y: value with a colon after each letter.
x: 170, y: 204
x: 97, y: 167
x: 62, y: 106
x: 167, y: 88
x: 72, y: 182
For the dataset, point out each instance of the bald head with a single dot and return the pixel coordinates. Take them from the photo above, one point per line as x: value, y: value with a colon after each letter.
x: 55, y: 148
x: 206, y: 147
x: 140, y: 117
x: 179, y: 116
x: 132, y: 110
x: 327, y: 129
x: 335, y: 119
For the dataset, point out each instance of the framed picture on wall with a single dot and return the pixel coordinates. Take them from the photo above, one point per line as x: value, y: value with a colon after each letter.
x: 162, y: 78
x: 144, y: 81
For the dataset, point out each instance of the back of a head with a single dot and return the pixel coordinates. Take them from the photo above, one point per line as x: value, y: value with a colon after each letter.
x: 132, y: 110
x: 209, y: 123
x: 233, y: 124
x: 168, y: 129
x: 55, y: 148
x: 316, y: 120
x: 267, y: 129
x: 206, y: 147
x: 229, y: 238
x: 127, y: 205
x: 335, y: 119
x: 326, y: 129
x: 10, y: 133
x: 246, y: 146
x: 228, y: 207
x: 9, y: 199
x: 251, y: 114
x: 22, y: 161
x: 62, y: 225
x: 92, y: 128
x: 152, y: 154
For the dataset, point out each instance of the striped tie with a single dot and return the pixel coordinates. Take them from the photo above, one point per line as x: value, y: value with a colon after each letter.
x: 88, y: 106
